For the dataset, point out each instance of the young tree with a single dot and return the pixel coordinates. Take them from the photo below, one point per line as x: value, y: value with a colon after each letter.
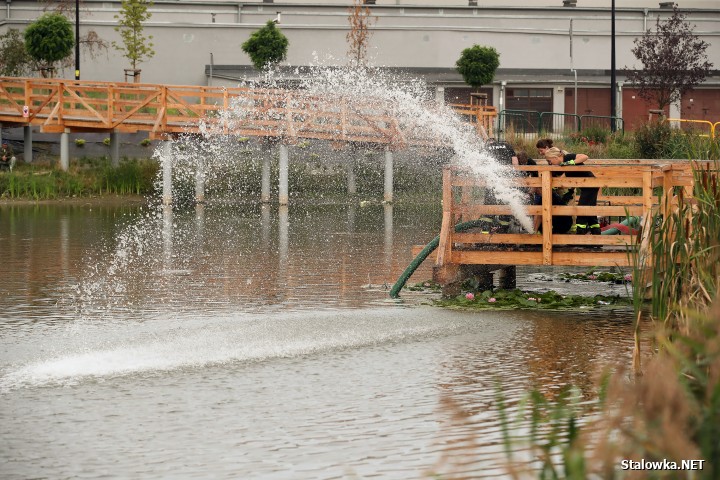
x: 90, y: 42
x: 266, y: 47
x: 358, y: 37
x: 14, y: 58
x: 49, y: 39
x: 674, y: 61
x: 478, y: 64
x: 135, y: 46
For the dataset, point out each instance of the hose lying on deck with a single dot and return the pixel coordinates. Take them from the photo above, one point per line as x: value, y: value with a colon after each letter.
x: 629, y: 226
x: 429, y: 248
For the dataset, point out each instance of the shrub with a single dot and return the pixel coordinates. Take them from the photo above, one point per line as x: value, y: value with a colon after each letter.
x: 80, y: 142
x: 652, y: 139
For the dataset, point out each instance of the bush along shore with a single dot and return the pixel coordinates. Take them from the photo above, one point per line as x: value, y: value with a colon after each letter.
x: 317, y: 172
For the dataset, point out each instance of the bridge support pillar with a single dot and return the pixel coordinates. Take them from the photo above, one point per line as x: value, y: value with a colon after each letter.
x: 27, y: 141
x: 115, y: 149
x: 388, y: 196
x: 265, y: 187
x: 351, y: 182
x: 283, y: 173
x: 200, y: 180
x: 166, y: 158
x: 64, y: 151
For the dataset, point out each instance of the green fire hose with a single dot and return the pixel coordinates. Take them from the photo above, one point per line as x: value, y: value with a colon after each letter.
x: 429, y: 248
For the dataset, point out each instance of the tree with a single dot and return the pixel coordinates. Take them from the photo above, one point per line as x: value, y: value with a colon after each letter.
x: 266, y: 47
x: 15, y: 61
x: 90, y: 42
x: 135, y: 46
x: 358, y: 37
x: 48, y: 40
x: 674, y: 61
x: 478, y: 64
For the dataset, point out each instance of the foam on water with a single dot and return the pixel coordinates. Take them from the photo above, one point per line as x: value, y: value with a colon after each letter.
x: 172, y: 344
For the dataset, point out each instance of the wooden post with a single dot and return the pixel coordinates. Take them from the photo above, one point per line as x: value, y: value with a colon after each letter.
x: 546, y: 178
x: 645, y: 253
x: 444, y: 271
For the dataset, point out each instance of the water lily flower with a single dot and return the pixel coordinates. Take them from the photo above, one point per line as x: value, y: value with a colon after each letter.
x: 492, y: 300
x: 628, y: 277
x: 470, y: 296
x: 592, y: 277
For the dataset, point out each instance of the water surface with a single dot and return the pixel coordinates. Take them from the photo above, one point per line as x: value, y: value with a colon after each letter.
x: 241, y: 340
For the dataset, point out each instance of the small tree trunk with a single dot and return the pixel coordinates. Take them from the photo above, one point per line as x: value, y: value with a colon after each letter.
x: 134, y: 73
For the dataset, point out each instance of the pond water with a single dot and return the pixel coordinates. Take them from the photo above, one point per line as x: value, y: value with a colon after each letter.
x: 249, y: 341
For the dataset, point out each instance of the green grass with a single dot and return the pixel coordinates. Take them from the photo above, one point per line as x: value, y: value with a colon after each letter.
x: 86, y: 177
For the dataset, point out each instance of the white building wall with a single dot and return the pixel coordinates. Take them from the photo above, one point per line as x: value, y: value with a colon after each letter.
x: 529, y: 39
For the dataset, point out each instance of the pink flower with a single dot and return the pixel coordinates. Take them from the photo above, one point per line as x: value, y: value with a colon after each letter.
x: 492, y: 300
x: 470, y: 296
x: 592, y: 277
x: 628, y: 277
x: 532, y: 299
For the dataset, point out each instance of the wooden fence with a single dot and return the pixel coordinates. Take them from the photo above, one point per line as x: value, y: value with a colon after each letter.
x: 639, y: 188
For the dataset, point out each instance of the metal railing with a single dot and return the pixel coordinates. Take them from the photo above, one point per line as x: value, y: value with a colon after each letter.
x: 690, y: 126
x: 551, y: 124
x: 601, y: 121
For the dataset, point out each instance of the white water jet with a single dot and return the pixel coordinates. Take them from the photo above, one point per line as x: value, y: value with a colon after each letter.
x: 375, y: 92
x: 145, y: 247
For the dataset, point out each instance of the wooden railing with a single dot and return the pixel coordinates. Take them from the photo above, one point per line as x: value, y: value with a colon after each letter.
x: 629, y: 188
x: 58, y: 105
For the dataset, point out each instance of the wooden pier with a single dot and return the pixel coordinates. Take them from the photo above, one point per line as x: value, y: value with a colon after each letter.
x: 640, y: 188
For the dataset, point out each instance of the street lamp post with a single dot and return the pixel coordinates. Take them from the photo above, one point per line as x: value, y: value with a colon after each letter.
x: 613, y: 99
x: 77, y: 39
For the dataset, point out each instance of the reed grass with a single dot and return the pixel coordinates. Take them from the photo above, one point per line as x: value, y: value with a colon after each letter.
x: 87, y: 177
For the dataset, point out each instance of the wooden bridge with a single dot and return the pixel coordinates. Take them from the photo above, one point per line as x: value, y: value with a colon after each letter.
x: 60, y: 105
x: 640, y: 188
x: 166, y: 111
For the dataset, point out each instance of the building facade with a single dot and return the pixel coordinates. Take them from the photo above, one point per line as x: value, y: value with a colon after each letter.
x: 553, y: 57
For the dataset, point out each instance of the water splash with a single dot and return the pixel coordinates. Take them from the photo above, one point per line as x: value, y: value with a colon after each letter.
x: 365, y: 91
x: 154, y: 243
